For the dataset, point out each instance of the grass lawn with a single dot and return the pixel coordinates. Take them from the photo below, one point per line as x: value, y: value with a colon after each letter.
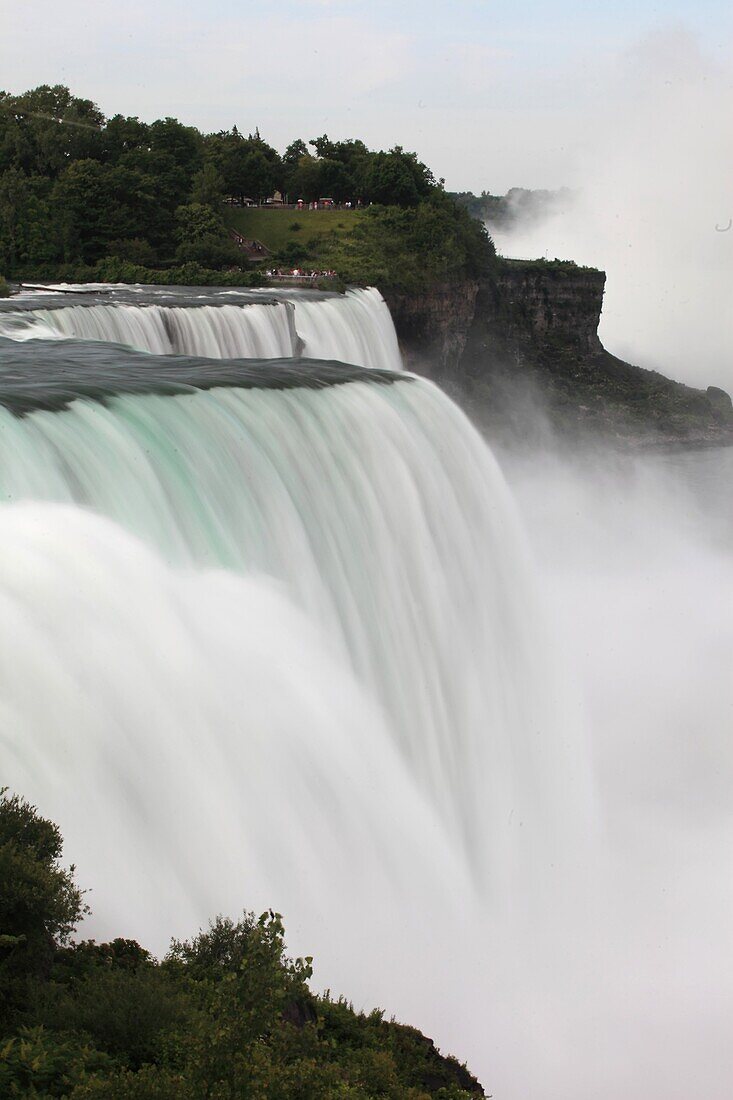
x: 275, y: 228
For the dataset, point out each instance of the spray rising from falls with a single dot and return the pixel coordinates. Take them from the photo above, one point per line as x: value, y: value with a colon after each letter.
x: 352, y: 328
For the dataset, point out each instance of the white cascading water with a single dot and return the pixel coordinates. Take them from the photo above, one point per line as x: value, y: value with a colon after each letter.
x: 203, y: 743
x: 214, y: 332
x: 352, y: 328
x: 370, y: 504
x: 286, y: 648
x: 358, y: 329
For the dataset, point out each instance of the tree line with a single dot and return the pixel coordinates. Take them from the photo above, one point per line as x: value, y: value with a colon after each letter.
x: 76, y: 187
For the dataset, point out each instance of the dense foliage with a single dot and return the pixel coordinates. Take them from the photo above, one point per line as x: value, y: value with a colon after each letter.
x: 410, y: 249
x: 226, y: 1015
x: 78, y: 190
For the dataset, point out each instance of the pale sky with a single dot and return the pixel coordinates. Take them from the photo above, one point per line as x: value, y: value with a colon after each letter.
x: 490, y: 95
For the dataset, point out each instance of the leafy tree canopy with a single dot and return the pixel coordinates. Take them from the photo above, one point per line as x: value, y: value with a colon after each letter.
x: 226, y: 1015
x: 40, y: 905
x: 78, y: 191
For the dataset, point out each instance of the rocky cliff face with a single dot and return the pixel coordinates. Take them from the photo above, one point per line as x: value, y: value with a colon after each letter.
x: 544, y: 304
x: 520, y: 350
x: 433, y: 328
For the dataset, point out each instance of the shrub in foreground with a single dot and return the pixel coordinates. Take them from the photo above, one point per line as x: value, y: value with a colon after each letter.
x: 225, y: 1015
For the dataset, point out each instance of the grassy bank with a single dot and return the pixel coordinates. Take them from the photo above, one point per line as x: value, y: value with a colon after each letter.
x: 407, y: 249
x: 279, y: 228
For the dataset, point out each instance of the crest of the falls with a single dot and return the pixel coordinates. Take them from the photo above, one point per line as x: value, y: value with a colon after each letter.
x: 352, y: 328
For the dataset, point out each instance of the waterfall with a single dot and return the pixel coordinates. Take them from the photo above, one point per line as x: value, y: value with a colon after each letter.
x: 374, y: 507
x: 202, y: 742
x: 271, y: 635
x: 277, y: 647
x: 352, y: 328
x: 215, y: 332
x: 357, y: 330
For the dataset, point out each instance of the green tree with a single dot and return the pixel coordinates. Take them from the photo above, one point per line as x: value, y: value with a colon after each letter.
x: 208, y: 187
x: 40, y: 904
x: 95, y: 203
x: 46, y: 128
x: 135, y: 250
x: 248, y: 988
x: 197, y: 222
x: 304, y: 180
x: 202, y: 238
x: 14, y: 195
x: 123, y: 1011
x: 294, y: 152
x: 28, y: 232
x: 322, y: 145
x: 39, y: 1063
x: 411, y: 248
x: 183, y: 144
x: 389, y: 179
x: 227, y: 1015
x: 257, y: 177
x: 123, y: 135
x: 249, y: 167
x: 334, y: 180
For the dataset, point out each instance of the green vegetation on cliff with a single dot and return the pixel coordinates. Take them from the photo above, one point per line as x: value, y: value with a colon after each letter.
x: 555, y: 267
x: 277, y: 229
x: 395, y: 248
x: 78, y: 190
x: 226, y: 1015
x: 412, y: 249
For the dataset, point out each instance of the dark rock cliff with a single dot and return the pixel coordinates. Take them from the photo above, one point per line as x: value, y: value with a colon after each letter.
x: 433, y: 327
x: 520, y: 350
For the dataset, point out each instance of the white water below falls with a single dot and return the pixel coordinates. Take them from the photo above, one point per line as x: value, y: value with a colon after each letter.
x: 290, y: 648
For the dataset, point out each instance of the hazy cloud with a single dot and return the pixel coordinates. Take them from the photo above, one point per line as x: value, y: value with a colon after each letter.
x: 654, y: 183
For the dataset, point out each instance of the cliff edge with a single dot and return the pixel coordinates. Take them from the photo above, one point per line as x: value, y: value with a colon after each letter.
x: 519, y: 349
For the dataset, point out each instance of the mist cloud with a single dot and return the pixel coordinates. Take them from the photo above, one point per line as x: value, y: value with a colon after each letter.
x: 655, y: 193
